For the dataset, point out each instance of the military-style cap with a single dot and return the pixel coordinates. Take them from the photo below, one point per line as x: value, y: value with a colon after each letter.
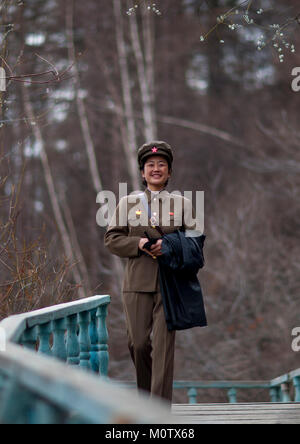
x: 159, y: 148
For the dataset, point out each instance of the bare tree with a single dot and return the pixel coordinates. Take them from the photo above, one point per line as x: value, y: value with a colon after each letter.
x: 145, y: 71
x: 84, y: 123
x: 131, y: 142
x: 51, y: 189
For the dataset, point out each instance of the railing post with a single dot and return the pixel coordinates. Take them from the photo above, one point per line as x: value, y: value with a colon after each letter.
x: 231, y: 393
x: 103, y: 339
x: 73, y: 349
x: 29, y: 338
x: 95, y: 347
x: 44, y: 331
x: 84, y: 339
x: 285, y: 393
x: 192, y: 395
x: 296, y: 382
x: 59, y: 347
x: 274, y: 394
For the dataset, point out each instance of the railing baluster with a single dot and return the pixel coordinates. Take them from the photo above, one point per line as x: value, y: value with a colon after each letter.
x: 84, y: 339
x: 95, y: 347
x: 296, y: 382
x: 274, y: 394
x: 59, y: 347
x: 192, y: 395
x: 73, y: 349
x: 103, y: 339
x: 44, y: 332
x: 29, y: 338
x: 285, y: 393
x: 231, y: 393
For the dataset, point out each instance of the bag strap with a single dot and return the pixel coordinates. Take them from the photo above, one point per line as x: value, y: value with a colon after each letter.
x: 148, y: 209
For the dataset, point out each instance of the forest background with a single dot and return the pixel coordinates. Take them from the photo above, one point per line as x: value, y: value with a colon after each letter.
x: 87, y: 84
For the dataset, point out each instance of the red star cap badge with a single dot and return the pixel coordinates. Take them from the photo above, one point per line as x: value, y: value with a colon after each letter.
x: 154, y: 149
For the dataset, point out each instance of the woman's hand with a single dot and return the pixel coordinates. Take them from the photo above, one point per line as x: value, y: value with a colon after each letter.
x: 142, y: 242
x: 156, y: 248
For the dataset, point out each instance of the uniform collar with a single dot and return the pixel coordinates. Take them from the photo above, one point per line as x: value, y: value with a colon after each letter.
x: 162, y: 194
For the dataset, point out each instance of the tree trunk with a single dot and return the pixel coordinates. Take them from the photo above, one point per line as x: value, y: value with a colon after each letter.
x: 131, y: 143
x: 51, y: 190
x: 145, y: 76
x: 148, y: 36
x: 88, y: 141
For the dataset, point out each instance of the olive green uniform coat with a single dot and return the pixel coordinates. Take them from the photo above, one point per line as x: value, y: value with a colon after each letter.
x: 154, y: 362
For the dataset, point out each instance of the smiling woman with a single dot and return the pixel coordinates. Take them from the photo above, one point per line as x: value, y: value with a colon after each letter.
x: 156, y: 165
x: 156, y: 172
x: 142, y: 299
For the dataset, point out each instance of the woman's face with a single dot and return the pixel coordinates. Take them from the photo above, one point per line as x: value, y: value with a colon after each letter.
x: 156, y: 172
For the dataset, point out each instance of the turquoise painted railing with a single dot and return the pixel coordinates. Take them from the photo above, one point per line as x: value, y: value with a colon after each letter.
x: 53, y: 369
x: 279, y: 388
x: 53, y: 331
